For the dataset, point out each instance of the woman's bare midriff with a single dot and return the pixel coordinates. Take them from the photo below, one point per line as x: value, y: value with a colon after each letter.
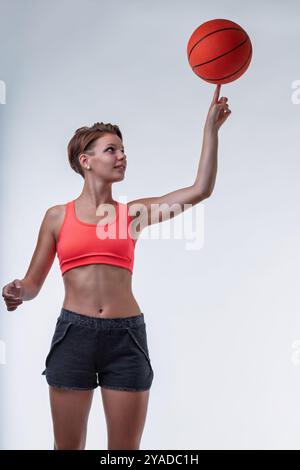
x: 100, y: 290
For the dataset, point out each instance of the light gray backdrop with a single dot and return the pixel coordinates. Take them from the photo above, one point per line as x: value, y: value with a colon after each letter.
x: 223, y: 321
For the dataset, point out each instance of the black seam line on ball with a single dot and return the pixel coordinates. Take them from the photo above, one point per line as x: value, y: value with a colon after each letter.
x: 213, y: 32
x: 231, y: 74
x: 222, y: 55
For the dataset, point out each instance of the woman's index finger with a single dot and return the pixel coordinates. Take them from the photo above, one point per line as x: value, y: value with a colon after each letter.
x: 217, y: 93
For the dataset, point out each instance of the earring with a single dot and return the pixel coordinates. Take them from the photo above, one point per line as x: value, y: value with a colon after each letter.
x: 88, y: 167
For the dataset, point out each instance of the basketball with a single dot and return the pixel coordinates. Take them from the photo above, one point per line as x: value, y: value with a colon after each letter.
x: 219, y: 51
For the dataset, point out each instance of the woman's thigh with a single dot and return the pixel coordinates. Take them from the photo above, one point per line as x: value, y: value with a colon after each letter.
x: 125, y: 414
x: 70, y: 411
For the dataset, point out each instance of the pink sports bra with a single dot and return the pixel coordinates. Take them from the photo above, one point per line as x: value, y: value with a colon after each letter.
x: 80, y: 243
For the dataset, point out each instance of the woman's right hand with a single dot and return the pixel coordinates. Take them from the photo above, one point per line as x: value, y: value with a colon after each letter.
x: 13, y: 294
x: 218, y: 111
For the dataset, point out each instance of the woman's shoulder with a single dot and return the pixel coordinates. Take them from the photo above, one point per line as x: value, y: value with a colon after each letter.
x: 56, y: 215
x: 56, y: 211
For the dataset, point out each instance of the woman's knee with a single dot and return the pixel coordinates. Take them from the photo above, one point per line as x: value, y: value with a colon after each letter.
x: 74, y: 444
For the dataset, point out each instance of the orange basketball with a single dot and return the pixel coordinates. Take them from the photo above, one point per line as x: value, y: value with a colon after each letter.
x: 219, y: 51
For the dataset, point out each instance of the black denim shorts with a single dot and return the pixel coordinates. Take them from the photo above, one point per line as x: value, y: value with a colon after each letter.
x: 110, y: 352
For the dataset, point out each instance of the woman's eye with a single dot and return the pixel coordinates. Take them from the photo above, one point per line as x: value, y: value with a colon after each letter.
x: 113, y: 149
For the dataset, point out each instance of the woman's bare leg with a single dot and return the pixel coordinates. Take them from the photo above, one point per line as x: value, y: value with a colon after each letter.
x: 125, y: 414
x: 70, y: 411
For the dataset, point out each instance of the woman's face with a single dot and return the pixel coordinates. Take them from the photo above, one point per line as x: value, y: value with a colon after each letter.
x: 107, y: 155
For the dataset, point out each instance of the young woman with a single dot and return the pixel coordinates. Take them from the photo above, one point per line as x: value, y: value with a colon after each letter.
x: 100, y: 336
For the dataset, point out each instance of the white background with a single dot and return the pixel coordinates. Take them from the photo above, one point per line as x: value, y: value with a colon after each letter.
x: 222, y: 321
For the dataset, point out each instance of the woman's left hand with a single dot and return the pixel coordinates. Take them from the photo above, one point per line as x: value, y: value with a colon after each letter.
x: 218, y: 111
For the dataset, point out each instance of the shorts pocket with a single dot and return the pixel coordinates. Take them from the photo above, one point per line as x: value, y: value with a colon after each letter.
x: 61, y: 329
x: 139, y: 336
